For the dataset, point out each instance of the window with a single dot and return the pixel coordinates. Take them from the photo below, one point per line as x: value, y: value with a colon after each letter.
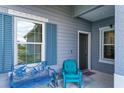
x: 107, y: 45
x: 29, y: 41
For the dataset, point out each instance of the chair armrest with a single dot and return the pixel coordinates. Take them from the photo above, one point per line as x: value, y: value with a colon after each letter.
x: 52, y: 71
x: 63, y: 74
x: 80, y: 72
x: 11, y: 79
x: 11, y: 76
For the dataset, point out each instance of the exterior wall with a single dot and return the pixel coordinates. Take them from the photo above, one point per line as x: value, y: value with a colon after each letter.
x: 67, y: 27
x: 103, y: 67
x: 119, y: 48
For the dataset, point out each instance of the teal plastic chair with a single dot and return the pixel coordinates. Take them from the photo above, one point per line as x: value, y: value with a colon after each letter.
x: 71, y: 73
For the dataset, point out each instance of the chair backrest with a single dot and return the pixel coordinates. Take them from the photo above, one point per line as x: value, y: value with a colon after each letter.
x: 70, y: 66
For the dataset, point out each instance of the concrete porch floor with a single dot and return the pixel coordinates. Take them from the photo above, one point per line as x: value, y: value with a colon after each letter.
x: 97, y: 80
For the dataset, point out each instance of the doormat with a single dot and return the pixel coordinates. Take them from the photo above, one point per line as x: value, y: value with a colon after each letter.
x: 88, y: 73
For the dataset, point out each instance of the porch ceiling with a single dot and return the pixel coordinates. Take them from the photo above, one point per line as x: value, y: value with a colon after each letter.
x: 94, y: 12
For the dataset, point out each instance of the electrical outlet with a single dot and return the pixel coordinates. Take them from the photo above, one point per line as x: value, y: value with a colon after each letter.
x: 71, y: 51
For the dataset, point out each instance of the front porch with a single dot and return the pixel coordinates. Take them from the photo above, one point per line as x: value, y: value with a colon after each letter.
x: 87, y: 37
x: 97, y: 80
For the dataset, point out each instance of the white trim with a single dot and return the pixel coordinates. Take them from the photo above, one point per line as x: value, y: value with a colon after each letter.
x: 29, y: 43
x: 102, y: 30
x: 26, y: 15
x: 107, y: 28
x: 106, y: 61
x: 3, y: 9
x: 89, y: 48
x: 118, y: 81
x: 44, y: 43
x: 29, y: 20
x: 15, y: 39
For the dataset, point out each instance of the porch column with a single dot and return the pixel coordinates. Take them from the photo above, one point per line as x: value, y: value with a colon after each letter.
x: 119, y: 47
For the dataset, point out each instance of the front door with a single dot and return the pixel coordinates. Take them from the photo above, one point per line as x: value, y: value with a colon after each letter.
x: 83, y: 51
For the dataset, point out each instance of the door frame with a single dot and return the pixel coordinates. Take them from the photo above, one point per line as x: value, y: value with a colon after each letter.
x: 89, y: 47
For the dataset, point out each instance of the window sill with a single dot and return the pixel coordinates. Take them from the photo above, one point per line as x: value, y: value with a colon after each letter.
x: 106, y: 61
x: 29, y: 65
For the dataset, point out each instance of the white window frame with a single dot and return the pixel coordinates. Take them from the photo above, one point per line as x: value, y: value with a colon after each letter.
x: 101, y: 49
x: 16, y: 43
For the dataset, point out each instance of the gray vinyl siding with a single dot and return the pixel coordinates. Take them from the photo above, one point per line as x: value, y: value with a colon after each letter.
x: 67, y: 27
x: 103, y: 67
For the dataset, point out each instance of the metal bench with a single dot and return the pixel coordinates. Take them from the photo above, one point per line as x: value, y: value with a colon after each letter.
x: 24, y: 76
